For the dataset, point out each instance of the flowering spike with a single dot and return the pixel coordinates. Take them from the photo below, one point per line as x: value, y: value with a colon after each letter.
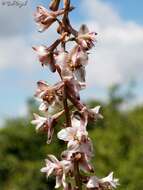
x: 59, y: 98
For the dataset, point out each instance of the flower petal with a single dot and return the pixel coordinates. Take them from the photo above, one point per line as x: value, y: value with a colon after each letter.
x: 67, y: 134
x: 58, y: 181
x: 53, y: 158
x: 93, y: 182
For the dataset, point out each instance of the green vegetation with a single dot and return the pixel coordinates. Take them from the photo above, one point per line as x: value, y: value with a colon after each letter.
x: 118, y: 143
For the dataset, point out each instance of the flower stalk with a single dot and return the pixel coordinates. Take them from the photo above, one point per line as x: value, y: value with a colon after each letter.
x: 58, y: 99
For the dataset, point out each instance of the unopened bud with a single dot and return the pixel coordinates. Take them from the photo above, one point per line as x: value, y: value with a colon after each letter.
x: 66, y: 3
x: 54, y: 5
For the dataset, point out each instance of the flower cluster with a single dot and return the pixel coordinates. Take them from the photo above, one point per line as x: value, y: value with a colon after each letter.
x: 72, y: 171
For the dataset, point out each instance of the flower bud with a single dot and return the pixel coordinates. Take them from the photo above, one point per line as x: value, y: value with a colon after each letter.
x: 54, y: 5
x: 66, y: 3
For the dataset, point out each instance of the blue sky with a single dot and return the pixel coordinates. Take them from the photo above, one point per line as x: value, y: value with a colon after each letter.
x: 117, y: 57
x: 128, y: 9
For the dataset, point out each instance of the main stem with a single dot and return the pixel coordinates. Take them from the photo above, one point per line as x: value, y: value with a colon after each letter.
x: 66, y: 108
x: 78, y: 180
x: 68, y: 123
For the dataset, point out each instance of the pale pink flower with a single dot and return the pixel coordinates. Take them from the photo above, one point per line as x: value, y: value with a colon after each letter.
x: 44, y: 18
x: 49, y: 95
x: 93, y: 113
x: 86, y: 39
x: 61, y: 59
x: 72, y: 64
x: 85, y: 149
x: 39, y: 121
x: 84, y: 161
x: 78, y: 142
x: 73, y: 87
x: 46, y: 57
x: 78, y: 59
x: 46, y: 124
x: 74, y: 133
x: 105, y: 183
x: 58, y: 168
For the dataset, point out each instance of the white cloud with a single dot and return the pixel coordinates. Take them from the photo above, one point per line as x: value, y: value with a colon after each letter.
x: 118, y: 55
x: 15, y: 52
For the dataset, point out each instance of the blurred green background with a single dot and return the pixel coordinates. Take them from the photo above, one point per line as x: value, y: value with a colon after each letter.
x: 118, y: 144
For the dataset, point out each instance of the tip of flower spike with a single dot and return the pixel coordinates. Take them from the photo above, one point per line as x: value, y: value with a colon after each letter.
x: 54, y: 5
x: 83, y: 29
x: 34, y: 48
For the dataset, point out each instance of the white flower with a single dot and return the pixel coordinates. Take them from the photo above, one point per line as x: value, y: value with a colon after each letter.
x: 106, y: 183
x: 109, y: 179
x: 38, y: 121
x: 77, y: 60
x: 74, y: 133
x: 93, y: 113
x: 45, y: 19
x: 49, y: 96
x: 58, y: 168
x: 85, y: 38
x: 78, y: 142
x: 46, y: 124
x: 46, y: 57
